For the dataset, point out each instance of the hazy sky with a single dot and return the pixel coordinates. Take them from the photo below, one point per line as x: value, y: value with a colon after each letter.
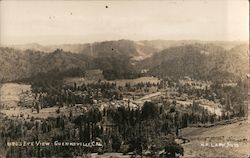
x: 54, y: 22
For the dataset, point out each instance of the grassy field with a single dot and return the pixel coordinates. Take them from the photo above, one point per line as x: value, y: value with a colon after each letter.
x: 120, y: 82
x: 10, y: 93
x: 72, y: 80
x: 136, y: 81
x: 236, y: 134
x: 43, y: 113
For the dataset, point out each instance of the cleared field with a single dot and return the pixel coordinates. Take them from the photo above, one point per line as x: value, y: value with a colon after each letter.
x: 10, y: 93
x: 136, y: 81
x: 43, y: 113
x: 120, y: 82
x: 77, y: 80
x: 235, y: 137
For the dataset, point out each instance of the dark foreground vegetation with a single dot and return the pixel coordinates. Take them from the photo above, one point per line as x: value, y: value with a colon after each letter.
x: 95, y: 114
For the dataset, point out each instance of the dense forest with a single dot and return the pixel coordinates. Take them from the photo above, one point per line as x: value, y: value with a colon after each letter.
x: 125, y: 59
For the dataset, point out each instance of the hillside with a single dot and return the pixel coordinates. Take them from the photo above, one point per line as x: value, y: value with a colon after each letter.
x: 96, y: 49
x: 16, y: 64
x: 156, y: 44
x: 199, y: 61
x: 236, y: 133
x: 113, y: 57
x: 125, y: 58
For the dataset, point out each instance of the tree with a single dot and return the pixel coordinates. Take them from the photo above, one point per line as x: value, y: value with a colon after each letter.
x: 137, y: 144
x: 172, y: 148
x: 116, y: 142
x: 149, y: 111
x: 37, y: 107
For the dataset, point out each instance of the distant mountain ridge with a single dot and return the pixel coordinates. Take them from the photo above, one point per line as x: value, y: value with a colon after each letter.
x: 141, y: 49
x: 124, y: 58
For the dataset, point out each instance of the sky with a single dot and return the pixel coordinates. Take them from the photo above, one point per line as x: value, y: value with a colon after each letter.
x: 76, y: 21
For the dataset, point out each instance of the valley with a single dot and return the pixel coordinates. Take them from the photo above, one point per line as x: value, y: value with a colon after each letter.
x: 135, y: 99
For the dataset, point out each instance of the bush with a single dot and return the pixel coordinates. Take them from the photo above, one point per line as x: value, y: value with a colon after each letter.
x: 172, y: 148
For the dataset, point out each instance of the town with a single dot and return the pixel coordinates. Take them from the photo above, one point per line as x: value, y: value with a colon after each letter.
x: 144, y: 116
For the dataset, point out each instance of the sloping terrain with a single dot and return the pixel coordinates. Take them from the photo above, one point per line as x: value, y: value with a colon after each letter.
x: 16, y: 64
x: 125, y: 59
x: 199, y: 61
x: 147, y: 47
x: 235, y: 137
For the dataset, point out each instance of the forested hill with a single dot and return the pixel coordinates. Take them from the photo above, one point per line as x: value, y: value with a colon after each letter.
x: 199, y: 61
x: 16, y: 64
x: 115, y: 58
x: 144, y: 46
x: 125, y: 59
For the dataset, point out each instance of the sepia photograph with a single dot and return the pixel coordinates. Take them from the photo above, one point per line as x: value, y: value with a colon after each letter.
x: 124, y: 79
